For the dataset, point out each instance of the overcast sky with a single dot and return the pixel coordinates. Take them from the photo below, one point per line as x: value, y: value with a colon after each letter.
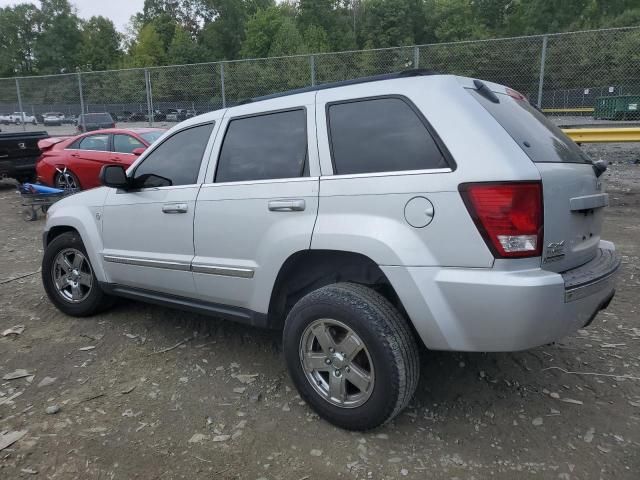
x: 118, y: 11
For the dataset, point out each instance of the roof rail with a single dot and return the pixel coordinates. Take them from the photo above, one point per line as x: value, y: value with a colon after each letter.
x: 416, y: 72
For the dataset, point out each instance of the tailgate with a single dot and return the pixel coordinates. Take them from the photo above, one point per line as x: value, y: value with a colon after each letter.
x: 573, y: 195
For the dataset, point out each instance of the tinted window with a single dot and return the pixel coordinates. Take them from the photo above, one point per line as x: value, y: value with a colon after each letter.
x: 176, y: 160
x: 94, y: 142
x: 528, y: 126
x: 380, y: 135
x: 126, y: 143
x: 264, y: 147
x: 97, y: 118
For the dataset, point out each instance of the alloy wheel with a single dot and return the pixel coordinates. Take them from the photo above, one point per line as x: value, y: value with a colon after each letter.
x: 72, y: 275
x: 336, y: 363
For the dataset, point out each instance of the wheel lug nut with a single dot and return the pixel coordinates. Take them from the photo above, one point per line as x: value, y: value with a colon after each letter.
x: 328, y: 361
x: 331, y: 349
x: 348, y: 369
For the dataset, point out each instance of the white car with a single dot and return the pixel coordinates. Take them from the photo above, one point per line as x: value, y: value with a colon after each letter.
x: 18, y: 118
x: 53, y: 118
x: 360, y: 219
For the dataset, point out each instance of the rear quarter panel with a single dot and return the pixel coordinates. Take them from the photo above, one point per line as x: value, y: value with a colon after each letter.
x: 365, y: 213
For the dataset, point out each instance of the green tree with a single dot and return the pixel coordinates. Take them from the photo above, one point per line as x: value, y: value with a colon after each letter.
x: 386, y: 23
x: 183, y: 49
x: 57, y: 47
x: 100, y: 44
x: 19, y: 26
x: 261, y: 30
x: 287, y: 40
x: 147, y: 50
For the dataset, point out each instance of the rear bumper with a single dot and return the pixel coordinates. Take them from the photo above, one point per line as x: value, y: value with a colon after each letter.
x: 491, y: 310
x: 18, y: 167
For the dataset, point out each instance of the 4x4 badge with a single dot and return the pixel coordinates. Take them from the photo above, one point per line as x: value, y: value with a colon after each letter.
x: 555, y: 251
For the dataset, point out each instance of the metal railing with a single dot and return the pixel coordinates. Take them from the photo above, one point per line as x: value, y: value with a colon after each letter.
x: 562, y: 73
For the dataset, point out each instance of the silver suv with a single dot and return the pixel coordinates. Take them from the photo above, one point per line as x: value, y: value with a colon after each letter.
x: 361, y: 219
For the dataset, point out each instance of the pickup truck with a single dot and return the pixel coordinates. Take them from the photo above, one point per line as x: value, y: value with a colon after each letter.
x: 19, y: 117
x: 19, y: 153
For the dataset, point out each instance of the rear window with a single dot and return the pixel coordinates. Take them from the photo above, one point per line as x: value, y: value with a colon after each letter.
x: 539, y: 138
x: 380, y: 135
x: 98, y: 118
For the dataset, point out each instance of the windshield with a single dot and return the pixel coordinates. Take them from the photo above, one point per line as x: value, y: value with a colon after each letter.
x: 151, y: 137
x: 539, y: 138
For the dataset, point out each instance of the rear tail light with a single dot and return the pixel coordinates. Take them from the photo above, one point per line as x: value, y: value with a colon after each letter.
x: 509, y: 216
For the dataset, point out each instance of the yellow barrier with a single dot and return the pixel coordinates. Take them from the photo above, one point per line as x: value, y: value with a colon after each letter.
x: 603, y: 135
x: 568, y: 110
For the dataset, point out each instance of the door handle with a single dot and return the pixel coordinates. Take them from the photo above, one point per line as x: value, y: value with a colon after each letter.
x: 287, y: 205
x: 175, y: 208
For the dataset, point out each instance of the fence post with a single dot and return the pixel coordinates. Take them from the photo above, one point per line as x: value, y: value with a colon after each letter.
x: 543, y: 59
x: 224, y: 98
x: 81, y: 100
x: 312, y: 66
x: 24, y: 126
x: 416, y: 57
x: 147, y: 82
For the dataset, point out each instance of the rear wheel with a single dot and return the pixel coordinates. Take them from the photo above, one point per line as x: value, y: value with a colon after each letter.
x: 68, y: 277
x: 66, y: 180
x: 351, y: 355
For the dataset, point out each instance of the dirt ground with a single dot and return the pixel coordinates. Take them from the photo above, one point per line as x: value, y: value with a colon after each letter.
x: 221, y: 406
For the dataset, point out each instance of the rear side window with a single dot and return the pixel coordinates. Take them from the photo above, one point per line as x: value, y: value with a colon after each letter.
x: 264, y: 147
x: 541, y: 140
x: 95, y: 142
x: 176, y: 161
x: 380, y: 135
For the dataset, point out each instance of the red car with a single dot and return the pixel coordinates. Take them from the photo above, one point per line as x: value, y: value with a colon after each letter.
x: 75, y: 162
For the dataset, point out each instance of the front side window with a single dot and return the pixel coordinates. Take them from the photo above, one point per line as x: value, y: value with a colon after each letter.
x: 176, y: 161
x: 94, y: 142
x: 380, y: 135
x: 126, y: 143
x: 264, y: 147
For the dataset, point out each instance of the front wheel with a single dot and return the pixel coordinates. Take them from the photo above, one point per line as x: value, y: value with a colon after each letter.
x: 68, y: 277
x: 351, y: 355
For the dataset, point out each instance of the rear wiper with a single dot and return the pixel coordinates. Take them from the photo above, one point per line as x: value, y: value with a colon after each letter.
x: 599, y: 167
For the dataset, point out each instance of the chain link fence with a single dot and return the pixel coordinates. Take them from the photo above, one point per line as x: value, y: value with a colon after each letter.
x: 564, y: 74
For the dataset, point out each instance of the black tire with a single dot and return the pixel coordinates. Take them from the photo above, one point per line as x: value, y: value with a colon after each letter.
x: 96, y: 300
x: 388, y: 339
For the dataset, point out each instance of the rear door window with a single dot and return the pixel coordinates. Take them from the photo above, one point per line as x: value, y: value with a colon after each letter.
x: 541, y: 140
x: 380, y: 135
x: 264, y: 147
x: 95, y: 142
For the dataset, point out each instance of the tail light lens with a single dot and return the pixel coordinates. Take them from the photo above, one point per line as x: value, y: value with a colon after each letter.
x: 509, y: 216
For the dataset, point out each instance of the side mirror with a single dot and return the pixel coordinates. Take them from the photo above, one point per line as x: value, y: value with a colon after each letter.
x: 138, y: 151
x: 114, y: 176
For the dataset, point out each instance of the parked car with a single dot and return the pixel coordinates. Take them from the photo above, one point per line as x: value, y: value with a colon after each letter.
x: 158, y: 116
x: 137, y: 117
x: 53, y: 118
x: 88, y: 122
x: 75, y: 162
x: 176, y: 115
x: 359, y: 218
x: 18, y: 154
x: 19, y: 118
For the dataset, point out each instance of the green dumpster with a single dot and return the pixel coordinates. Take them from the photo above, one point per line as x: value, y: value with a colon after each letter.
x: 620, y: 107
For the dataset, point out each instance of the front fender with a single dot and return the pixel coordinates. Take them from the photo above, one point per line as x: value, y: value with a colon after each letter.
x: 83, y: 212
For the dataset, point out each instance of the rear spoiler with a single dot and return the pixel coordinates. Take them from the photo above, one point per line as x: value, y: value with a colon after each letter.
x: 47, y: 143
